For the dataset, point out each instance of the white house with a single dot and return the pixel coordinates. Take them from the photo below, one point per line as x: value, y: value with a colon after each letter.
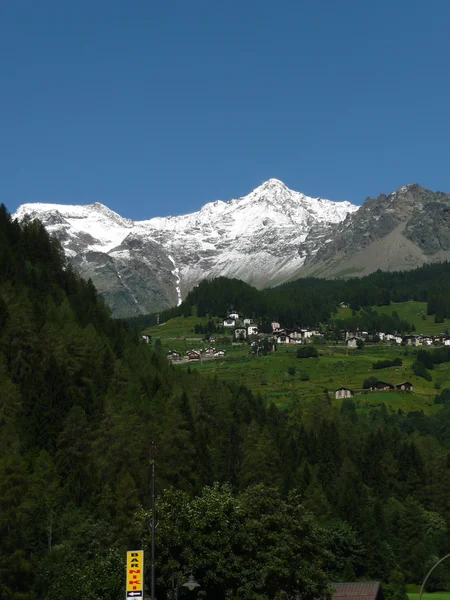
x: 252, y: 330
x: 209, y: 351
x: 447, y: 342
x: 233, y: 315
x: 343, y: 393
x: 219, y: 353
x: 296, y: 334
x: 352, y: 342
x: 240, y: 333
x: 145, y: 339
x: 275, y: 326
x: 248, y: 322
x: 283, y: 339
x: 229, y: 322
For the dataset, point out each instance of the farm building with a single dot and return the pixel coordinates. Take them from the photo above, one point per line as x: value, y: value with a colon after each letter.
x: 404, y: 387
x: 229, y: 322
x: 382, y: 386
x: 240, y: 333
x: 194, y: 355
x: 352, y: 342
x: 252, y: 330
x: 343, y: 393
x: 283, y: 339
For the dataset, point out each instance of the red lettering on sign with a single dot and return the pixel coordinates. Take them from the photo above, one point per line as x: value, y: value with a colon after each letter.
x: 131, y: 571
x: 134, y: 583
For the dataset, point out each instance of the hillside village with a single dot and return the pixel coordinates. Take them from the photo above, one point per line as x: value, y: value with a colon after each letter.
x: 238, y: 330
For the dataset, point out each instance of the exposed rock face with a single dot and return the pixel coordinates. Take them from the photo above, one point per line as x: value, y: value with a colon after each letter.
x: 268, y: 237
x: 149, y: 265
x: 401, y: 231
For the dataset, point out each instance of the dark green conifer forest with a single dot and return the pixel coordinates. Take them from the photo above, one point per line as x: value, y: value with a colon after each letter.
x: 310, y: 301
x: 259, y: 503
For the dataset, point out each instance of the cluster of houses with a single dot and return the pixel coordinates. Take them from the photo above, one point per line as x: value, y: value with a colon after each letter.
x: 379, y: 386
x: 196, y: 354
x: 293, y: 336
x: 352, y: 337
x: 243, y: 328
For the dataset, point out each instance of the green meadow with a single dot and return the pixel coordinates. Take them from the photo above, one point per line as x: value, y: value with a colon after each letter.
x: 412, y: 312
x: 281, y: 376
x: 433, y: 596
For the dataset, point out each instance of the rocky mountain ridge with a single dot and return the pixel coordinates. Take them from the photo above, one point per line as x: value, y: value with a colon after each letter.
x: 270, y: 236
x: 403, y: 230
x: 145, y: 266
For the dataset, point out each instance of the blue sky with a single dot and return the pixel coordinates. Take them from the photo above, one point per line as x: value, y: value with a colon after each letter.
x: 155, y: 107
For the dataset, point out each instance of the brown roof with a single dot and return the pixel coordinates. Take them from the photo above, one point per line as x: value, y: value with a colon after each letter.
x: 356, y: 591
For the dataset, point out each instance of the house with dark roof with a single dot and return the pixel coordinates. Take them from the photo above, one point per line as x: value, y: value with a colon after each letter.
x: 405, y: 386
x: 382, y: 386
x: 360, y: 590
x: 343, y: 393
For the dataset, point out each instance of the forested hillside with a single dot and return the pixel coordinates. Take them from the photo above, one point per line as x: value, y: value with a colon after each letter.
x: 255, y: 500
x: 311, y: 301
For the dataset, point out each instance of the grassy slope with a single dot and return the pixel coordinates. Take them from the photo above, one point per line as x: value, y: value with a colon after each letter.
x: 411, y: 311
x: 434, y: 596
x: 336, y: 367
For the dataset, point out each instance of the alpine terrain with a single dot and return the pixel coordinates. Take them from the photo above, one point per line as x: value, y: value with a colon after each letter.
x: 270, y: 236
x: 143, y: 266
x: 402, y: 231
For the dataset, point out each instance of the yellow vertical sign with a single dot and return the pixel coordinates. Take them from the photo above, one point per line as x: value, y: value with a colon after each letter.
x: 135, y: 574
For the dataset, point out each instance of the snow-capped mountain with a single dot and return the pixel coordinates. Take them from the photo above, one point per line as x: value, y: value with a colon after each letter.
x: 143, y: 266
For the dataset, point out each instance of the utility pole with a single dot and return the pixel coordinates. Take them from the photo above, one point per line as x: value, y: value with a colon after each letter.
x: 153, y: 453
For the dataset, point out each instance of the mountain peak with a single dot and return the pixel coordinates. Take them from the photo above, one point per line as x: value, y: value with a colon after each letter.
x: 272, y: 185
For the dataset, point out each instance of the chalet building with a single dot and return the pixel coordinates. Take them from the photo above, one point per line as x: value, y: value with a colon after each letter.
x: 359, y: 335
x: 172, y: 355
x: 447, y: 342
x: 343, y: 393
x: 352, y: 342
x: 209, y: 351
x: 359, y: 590
x: 297, y: 334
x: 275, y: 326
x: 233, y: 315
x: 146, y: 339
x: 240, y: 333
x: 404, y: 387
x: 283, y: 338
x: 382, y: 386
x: 412, y: 340
x: 194, y: 355
x: 248, y: 322
x: 219, y: 353
x: 229, y: 322
x: 252, y: 330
